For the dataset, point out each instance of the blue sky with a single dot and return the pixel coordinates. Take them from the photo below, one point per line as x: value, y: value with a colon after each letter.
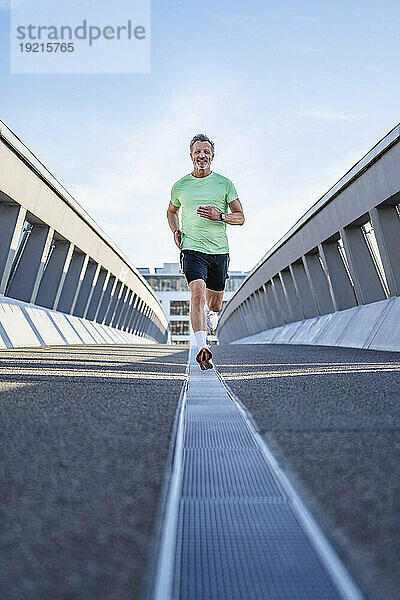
x: 292, y: 94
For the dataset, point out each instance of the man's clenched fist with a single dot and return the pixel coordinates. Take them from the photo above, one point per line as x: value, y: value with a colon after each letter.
x: 178, y: 238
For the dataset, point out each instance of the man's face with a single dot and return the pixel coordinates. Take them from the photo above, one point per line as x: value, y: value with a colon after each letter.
x: 202, y: 155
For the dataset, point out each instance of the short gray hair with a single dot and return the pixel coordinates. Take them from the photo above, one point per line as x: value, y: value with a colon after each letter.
x: 200, y: 137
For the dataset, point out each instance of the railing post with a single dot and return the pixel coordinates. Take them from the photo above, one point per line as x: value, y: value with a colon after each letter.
x: 261, y: 317
x: 256, y: 316
x: 281, y: 298
x: 386, y: 223
x: 264, y: 308
x: 79, y: 284
x: 12, y: 217
x: 96, y: 293
x: 303, y: 289
x: 292, y: 298
x: 151, y: 324
x: 341, y: 288
x: 25, y: 276
x: 139, y: 324
x: 367, y: 284
x: 146, y: 323
x: 133, y: 315
x: 65, y: 268
x: 251, y: 325
x: 129, y: 312
x: 269, y: 315
x: 120, y: 303
x: 50, y: 281
x: 236, y: 323
x: 249, y: 330
x: 43, y: 261
x: 86, y: 289
x: 318, y: 283
x: 137, y: 317
x: 241, y: 323
x: 275, y: 314
x: 71, y: 281
x: 125, y: 309
x: 113, y: 301
x: 105, y: 298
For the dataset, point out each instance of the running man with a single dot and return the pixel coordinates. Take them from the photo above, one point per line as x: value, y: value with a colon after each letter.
x: 205, y: 197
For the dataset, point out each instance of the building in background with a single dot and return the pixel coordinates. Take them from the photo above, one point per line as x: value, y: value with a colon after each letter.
x: 173, y: 292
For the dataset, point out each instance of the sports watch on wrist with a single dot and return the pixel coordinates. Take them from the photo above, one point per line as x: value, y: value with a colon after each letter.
x: 222, y: 217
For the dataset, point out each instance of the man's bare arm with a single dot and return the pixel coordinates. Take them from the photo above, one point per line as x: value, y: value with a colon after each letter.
x: 173, y: 222
x: 235, y: 217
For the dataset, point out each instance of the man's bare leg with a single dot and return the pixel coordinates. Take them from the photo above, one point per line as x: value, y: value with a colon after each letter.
x: 214, y: 300
x: 197, y: 301
x: 198, y: 321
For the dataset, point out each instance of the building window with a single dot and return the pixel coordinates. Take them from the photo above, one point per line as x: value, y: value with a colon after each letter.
x: 233, y: 282
x: 179, y: 327
x: 179, y: 307
x: 165, y: 283
x: 177, y: 283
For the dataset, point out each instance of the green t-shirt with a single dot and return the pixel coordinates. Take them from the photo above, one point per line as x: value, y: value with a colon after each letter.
x: 199, y: 233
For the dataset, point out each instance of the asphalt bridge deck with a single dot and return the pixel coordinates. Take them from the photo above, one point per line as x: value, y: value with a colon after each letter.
x: 234, y: 527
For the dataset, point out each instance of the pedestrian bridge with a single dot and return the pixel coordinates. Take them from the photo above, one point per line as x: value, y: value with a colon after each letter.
x: 129, y: 473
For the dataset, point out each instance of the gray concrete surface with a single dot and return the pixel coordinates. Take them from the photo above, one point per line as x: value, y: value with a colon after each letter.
x: 332, y: 415
x: 374, y: 326
x: 84, y: 436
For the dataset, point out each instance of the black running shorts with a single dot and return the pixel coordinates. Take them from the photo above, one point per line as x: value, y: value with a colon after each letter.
x: 212, y: 268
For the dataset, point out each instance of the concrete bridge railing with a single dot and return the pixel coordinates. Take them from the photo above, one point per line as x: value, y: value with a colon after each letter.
x: 334, y: 278
x: 54, y: 256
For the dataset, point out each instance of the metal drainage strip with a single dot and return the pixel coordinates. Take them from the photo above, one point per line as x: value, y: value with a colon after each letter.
x: 234, y: 526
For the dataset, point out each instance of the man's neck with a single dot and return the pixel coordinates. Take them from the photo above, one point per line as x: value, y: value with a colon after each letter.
x: 201, y: 172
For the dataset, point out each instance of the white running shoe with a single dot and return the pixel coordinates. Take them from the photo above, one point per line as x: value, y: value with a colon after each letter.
x: 212, y: 320
x: 203, y: 357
